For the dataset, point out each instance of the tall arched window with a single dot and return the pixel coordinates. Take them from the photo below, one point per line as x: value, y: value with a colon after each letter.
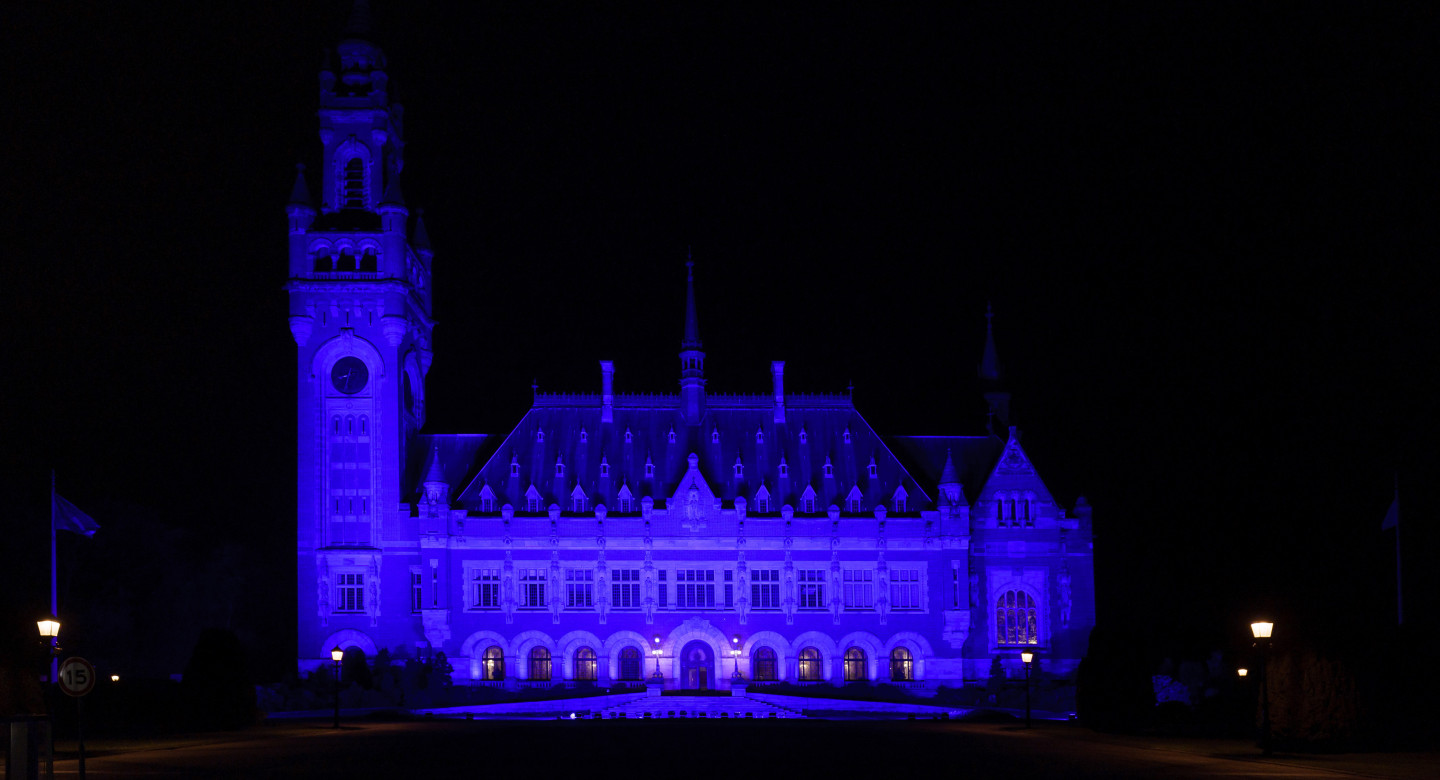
x: 630, y: 663
x: 355, y: 183
x: 540, y: 664
x: 585, y: 664
x: 764, y: 665
x: 323, y: 260
x: 492, y: 664
x: 854, y: 665
x: 1015, y: 622
x: 810, y: 665
x: 902, y: 666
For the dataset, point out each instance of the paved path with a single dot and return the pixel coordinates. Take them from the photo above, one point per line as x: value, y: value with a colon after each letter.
x: 711, y: 748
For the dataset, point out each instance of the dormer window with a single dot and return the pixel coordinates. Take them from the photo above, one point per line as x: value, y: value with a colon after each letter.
x: 649, y: 468
x: 762, y: 501
x: 532, y: 500
x: 559, y: 467
x: 803, y: 436
x: 784, y: 469
x: 759, y: 435
x: 577, y: 500
x: 847, y: 435
x: 625, y: 499
x: 829, y: 469
x: 715, y: 436
x: 355, y: 183
x: 872, y: 469
x: 671, y: 435
x: 854, y: 501
x: 584, y: 437
x: 739, y: 468
x: 628, y: 436
x: 900, y: 497
x: 487, y: 499
x: 807, y: 500
x: 604, y: 467
x: 539, y: 435
x: 514, y: 466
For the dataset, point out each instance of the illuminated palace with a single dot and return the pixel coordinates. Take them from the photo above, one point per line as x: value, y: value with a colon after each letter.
x: 606, y: 527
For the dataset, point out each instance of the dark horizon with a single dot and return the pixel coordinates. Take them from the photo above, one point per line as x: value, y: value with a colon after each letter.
x: 1203, y: 232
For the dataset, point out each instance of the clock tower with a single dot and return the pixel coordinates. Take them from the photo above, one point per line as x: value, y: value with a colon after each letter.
x: 359, y: 287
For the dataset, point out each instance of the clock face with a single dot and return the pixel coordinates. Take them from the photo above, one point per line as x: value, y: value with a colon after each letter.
x: 349, y: 375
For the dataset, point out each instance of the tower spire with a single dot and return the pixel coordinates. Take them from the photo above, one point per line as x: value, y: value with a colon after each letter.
x: 692, y: 359
x: 989, y: 371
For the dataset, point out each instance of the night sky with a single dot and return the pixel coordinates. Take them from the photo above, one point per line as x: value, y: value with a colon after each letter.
x: 1206, y: 231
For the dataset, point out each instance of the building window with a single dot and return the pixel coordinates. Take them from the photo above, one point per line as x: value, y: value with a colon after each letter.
x: 803, y: 436
x: 629, y: 663
x: 859, y: 586
x: 812, y: 588
x: 810, y: 665
x: 532, y: 503
x: 355, y: 183
x: 649, y: 468
x: 855, y: 665
x: 585, y: 664
x: 847, y: 435
x: 739, y: 469
x: 759, y: 435
x: 807, y: 505
x: 763, y: 665
x: 487, y: 588
x: 765, y: 589
x: 695, y: 588
x: 829, y: 469
x: 900, y: 505
x: 1015, y: 619
x: 854, y: 503
x: 559, y: 467
x: 416, y: 597
x: 715, y: 436
x: 579, y: 588
x: 514, y: 468
x: 577, y: 504
x: 670, y: 437
x: 492, y: 664
x: 532, y: 588
x: 625, y: 588
x: 487, y: 505
x: 872, y: 469
x: 604, y: 468
x: 902, y: 666
x: 540, y: 664
x: 350, y: 593
x: 664, y: 590
x: 762, y: 504
x: 364, y: 425
x: 956, y: 586
x: 628, y: 436
x: 584, y: 437
x: 625, y: 505
x: 539, y: 435
x: 784, y: 468
x: 729, y: 589
x: 904, y: 589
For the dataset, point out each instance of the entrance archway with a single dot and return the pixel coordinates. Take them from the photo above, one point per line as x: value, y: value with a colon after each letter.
x: 697, y: 665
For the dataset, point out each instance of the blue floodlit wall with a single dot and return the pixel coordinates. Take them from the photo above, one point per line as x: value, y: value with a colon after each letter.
x: 603, y: 521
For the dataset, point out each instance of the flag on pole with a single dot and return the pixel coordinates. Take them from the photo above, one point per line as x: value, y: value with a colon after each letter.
x: 68, y: 517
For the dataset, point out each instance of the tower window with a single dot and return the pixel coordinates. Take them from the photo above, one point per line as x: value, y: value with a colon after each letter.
x: 669, y: 437
x: 604, y: 469
x: 759, y: 435
x: 784, y: 469
x: 539, y: 435
x: 629, y: 437
x: 355, y: 183
x: 649, y: 468
x: 584, y: 437
x: 829, y: 469
x: 739, y: 469
x: 803, y: 436
x: 715, y: 436
x: 514, y: 469
x: 559, y: 468
x: 873, y: 470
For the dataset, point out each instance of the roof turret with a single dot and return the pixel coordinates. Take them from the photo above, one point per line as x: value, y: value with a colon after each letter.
x: 435, y: 473
x: 300, y: 193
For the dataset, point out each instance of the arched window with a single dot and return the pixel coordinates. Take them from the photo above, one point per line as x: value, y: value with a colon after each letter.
x: 902, y: 666
x: 369, y: 261
x: 810, y: 665
x: 1015, y: 622
x: 854, y: 665
x: 630, y: 663
x: 323, y: 261
x: 492, y: 664
x: 585, y: 664
x: 364, y: 425
x: 346, y: 262
x: 355, y: 183
x: 540, y: 664
x: 764, y: 665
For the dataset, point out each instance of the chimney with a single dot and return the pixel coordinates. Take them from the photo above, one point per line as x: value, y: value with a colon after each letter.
x: 777, y: 375
x: 607, y: 391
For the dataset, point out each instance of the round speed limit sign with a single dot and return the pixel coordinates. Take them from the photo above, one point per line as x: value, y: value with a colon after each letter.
x: 77, y: 676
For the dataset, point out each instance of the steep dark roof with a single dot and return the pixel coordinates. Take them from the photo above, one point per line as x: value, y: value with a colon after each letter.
x: 650, y: 419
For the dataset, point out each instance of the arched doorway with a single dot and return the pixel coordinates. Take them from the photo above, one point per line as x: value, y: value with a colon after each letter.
x: 697, y: 665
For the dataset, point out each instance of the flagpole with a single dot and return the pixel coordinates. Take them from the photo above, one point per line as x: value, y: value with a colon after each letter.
x: 1399, y: 591
x: 54, y: 604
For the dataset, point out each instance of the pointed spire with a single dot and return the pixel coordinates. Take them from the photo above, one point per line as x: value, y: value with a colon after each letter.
x: 990, y: 361
x: 947, y: 474
x: 393, y: 195
x: 435, y: 473
x: 360, y: 23
x: 300, y: 193
x: 420, y: 238
x: 692, y: 323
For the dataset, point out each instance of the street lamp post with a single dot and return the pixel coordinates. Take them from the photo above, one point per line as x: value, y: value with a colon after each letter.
x: 50, y: 634
x: 335, y: 655
x: 735, y: 653
x: 656, y: 653
x: 1262, y: 630
x: 1026, y: 657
